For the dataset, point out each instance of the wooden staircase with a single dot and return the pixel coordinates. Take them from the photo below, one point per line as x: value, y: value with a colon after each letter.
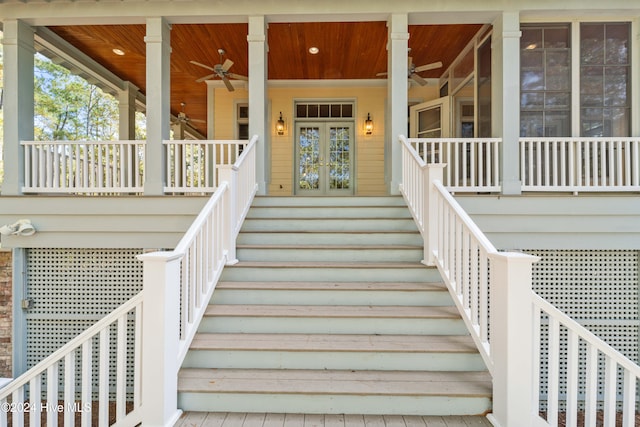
x: 330, y: 311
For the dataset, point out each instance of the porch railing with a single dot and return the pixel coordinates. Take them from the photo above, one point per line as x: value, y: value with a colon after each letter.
x: 472, y: 164
x: 84, y: 167
x: 177, y: 287
x: 48, y: 390
x: 493, y: 292
x: 580, y: 164
x: 192, y: 166
x: 180, y: 283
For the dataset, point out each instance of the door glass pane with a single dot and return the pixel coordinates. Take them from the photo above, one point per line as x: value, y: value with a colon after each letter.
x: 429, y: 124
x: 339, y: 158
x: 309, y: 156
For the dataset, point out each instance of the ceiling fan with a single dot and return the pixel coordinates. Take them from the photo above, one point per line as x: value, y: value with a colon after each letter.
x: 221, y: 70
x: 412, y: 70
x: 183, y: 119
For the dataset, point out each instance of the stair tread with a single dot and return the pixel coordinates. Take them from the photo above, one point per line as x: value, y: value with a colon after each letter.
x: 328, y: 264
x: 330, y: 231
x: 332, y: 342
x: 334, y: 311
x: 316, y: 247
x: 343, y: 382
x: 336, y: 286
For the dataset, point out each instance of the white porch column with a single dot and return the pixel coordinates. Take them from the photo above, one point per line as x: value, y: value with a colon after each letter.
x: 258, y: 96
x: 158, y: 95
x: 127, y: 112
x: 18, y: 101
x: 506, y: 97
x: 398, y: 46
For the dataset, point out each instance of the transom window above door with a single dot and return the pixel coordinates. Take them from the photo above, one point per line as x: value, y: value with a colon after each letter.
x: 324, y: 110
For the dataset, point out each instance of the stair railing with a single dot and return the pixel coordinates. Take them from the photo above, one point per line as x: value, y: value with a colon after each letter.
x: 179, y: 284
x: 48, y: 391
x: 493, y: 293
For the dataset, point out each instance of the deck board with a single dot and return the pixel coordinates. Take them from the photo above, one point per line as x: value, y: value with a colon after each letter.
x: 340, y: 311
x: 223, y: 419
x: 341, y: 286
x: 409, y: 383
x: 335, y: 342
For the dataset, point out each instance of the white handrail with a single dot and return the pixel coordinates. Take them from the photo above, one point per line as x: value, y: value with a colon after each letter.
x: 453, y: 242
x: 72, y: 363
x: 192, y: 165
x: 493, y: 293
x: 182, y: 281
x: 472, y: 164
x: 84, y: 167
x: 568, y: 336
x: 580, y: 164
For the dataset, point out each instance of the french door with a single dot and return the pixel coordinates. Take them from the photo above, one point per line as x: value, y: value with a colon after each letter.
x: 324, y: 158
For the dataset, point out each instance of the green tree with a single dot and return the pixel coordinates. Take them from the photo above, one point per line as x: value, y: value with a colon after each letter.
x: 69, y: 108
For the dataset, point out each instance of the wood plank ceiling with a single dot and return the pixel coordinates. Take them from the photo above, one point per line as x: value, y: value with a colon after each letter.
x: 353, y: 50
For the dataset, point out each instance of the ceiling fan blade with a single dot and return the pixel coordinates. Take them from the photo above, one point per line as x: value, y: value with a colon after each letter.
x: 228, y: 84
x: 237, y: 76
x: 202, y: 65
x: 201, y: 79
x: 427, y: 67
x: 381, y: 74
x: 418, y: 79
x: 227, y: 64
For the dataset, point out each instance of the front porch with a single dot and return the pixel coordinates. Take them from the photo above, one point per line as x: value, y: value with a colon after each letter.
x: 190, y: 274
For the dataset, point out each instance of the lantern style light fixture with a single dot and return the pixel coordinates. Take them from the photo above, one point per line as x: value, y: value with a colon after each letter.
x: 280, y: 125
x: 368, y: 125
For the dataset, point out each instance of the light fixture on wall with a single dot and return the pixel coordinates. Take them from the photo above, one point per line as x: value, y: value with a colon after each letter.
x: 22, y: 227
x: 280, y: 125
x: 368, y: 125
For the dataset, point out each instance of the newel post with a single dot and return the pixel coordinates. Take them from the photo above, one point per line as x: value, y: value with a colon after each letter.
x: 432, y: 172
x: 160, y: 335
x: 230, y: 175
x: 512, y: 339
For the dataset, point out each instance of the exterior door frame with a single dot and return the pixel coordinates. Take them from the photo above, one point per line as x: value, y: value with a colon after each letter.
x: 445, y: 119
x: 324, y: 187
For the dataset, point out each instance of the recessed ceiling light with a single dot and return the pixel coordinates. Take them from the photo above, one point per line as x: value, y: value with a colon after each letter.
x: 313, y: 50
x: 119, y: 52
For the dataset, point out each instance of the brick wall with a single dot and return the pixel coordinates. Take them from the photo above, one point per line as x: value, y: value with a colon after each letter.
x: 5, y: 314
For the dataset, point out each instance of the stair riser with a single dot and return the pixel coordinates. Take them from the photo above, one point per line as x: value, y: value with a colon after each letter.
x: 302, y: 325
x: 298, y: 201
x: 328, y: 297
x: 369, y: 238
x: 334, y: 404
x: 331, y: 255
x: 321, y: 224
x: 334, y: 360
x: 272, y: 274
x: 328, y: 212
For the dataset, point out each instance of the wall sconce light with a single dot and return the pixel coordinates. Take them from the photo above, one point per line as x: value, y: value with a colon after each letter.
x: 280, y: 125
x: 368, y: 125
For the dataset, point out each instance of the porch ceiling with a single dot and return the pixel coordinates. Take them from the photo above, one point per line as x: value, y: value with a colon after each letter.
x: 347, y: 50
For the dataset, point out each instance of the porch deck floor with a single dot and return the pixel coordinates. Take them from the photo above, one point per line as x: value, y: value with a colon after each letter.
x: 224, y: 419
